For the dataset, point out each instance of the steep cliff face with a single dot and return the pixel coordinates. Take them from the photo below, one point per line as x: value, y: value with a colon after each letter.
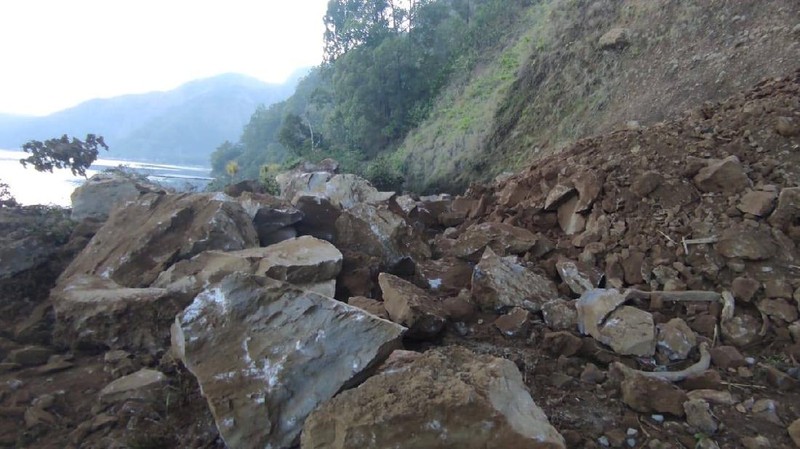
x: 579, y: 68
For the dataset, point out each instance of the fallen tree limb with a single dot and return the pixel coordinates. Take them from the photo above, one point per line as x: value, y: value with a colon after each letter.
x: 675, y: 296
x: 672, y: 376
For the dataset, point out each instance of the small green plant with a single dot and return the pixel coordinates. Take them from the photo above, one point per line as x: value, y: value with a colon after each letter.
x: 6, y: 198
x: 267, y: 174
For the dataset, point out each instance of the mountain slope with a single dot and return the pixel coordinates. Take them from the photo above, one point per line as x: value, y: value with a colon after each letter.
x: 181, y: 126
x: 555, y: 82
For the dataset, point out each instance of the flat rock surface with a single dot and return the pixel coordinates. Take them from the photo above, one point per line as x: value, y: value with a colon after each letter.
x: 266, y: 354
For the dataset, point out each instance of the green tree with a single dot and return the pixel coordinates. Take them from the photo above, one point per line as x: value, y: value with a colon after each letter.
x: 6, y: 198
x: 74, y: 154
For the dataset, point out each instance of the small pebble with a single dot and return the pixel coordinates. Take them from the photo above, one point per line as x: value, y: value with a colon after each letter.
x: 14, y: 384
x: 657, y: 418
x: 603, y: 441
x: 750, y: 360
x: 631, y: 442
x: 632, y: 432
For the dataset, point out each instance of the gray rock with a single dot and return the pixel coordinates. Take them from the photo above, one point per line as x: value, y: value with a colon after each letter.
x: 101, y: 193
x: 578, y: 276
x: 570, y: 220
x: 447, y: 398
x: 629, y: 331
x: 293, y: 184
x: 594, y: 306
x: 412, y: 307
x: 675, y: 339
x: 347, y: 190
x: 266, y: 354
x: 560, y: 314
x: 499, y: 282
x: 741, y: 330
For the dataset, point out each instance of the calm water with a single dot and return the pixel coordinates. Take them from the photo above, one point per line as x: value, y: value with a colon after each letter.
x: 31, y: 187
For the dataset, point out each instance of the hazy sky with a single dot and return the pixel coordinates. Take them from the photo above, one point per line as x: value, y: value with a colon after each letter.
x: 57, y: 53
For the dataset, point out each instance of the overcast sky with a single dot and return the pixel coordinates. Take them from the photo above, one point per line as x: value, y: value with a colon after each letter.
x: 57, y: 53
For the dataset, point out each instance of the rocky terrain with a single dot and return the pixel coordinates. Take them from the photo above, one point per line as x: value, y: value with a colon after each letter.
x: 640, y: 289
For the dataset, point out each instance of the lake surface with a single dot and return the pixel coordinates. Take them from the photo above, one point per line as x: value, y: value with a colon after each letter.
x: 32, y: 187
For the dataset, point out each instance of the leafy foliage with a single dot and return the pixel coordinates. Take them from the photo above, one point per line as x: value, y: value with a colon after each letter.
x: 6, y: 198
x: 60, y: 153
x: 386, y: 62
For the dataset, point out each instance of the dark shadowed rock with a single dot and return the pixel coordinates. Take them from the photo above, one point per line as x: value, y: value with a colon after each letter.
x: 515, y: 323
x: 267, y: 354
x: 445, y: 398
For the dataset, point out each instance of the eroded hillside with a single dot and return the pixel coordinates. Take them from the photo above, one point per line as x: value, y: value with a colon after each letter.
x: 579, y: 68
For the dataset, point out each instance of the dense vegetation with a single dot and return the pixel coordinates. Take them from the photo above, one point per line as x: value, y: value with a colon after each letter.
x: 385, y: 64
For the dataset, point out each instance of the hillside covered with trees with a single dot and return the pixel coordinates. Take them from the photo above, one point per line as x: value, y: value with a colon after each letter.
x: 431, y: 95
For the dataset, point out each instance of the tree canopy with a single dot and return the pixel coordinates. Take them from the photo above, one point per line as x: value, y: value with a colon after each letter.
x: 385, y: 63
x: 60, y: 153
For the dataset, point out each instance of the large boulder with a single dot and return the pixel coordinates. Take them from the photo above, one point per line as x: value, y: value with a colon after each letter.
x: 95, y: 313
x: 412, y: 307
x: 141, y: 240
x: 500, y: 282
x: 503, y: 239
x: 101, y: 193
x: 266, y: 354
x: 347, y: 190
x: 445, y: 398
x: 293, y: 184
x: 379, y: 232
x: 302, y: 261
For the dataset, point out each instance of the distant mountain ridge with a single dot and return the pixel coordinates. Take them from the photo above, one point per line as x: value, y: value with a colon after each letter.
x: 179, y: 126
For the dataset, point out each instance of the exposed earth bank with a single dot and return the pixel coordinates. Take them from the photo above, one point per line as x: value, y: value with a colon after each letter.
x: 640, y: 289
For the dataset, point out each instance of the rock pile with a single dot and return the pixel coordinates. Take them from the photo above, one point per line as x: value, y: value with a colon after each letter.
x: 640, y: 290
